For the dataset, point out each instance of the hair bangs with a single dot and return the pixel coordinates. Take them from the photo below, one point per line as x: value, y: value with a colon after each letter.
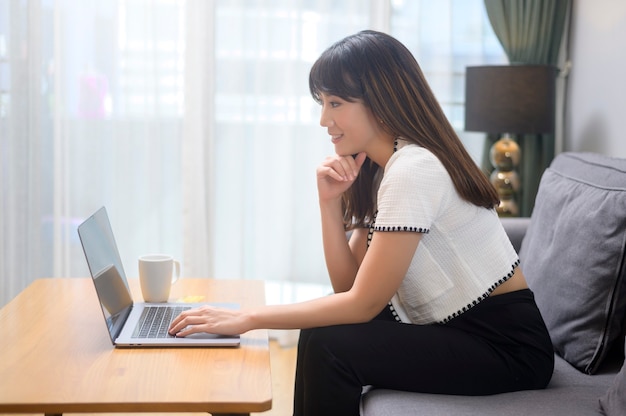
x: 333, y: 74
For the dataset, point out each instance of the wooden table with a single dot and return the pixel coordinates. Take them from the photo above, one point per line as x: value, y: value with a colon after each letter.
x: 56, y: 356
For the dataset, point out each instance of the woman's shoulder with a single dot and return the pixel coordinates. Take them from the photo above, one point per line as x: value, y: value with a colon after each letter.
x: 415, y: 160
x: 412, y: 154
x: 415, y: 174
x: 414, y: 189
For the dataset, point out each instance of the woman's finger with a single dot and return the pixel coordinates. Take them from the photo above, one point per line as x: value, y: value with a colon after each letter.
x: 183, y: 320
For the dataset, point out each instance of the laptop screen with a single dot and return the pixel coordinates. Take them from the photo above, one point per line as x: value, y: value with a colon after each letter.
x: 105, y: 266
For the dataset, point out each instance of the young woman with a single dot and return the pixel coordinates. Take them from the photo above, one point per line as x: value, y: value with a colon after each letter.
x: 428, y: 292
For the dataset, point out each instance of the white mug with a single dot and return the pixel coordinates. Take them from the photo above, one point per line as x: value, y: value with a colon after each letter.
x: 155, y: 276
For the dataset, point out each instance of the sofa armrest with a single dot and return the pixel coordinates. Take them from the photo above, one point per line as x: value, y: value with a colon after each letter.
x: 515, y: 228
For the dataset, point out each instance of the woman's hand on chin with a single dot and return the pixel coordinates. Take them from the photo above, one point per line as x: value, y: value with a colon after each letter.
x: 337, y: 173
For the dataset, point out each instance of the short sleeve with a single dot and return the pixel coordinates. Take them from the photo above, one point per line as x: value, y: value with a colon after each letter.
x: 414, y: 190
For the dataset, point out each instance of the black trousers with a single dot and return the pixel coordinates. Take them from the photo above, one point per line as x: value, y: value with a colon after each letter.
x: 498, y: 346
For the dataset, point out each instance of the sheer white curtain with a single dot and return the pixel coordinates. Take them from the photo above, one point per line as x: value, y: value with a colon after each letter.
x: 267, y: 137
x: 91, y: 115
x: 192, y: 122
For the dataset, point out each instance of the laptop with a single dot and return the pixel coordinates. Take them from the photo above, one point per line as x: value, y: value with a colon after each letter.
x: 134, y: 324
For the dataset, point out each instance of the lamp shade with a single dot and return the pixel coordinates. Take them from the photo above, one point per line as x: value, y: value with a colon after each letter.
x: 517, y: 99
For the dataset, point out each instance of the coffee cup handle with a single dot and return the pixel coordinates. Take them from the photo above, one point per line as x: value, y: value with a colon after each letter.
x: 177, y: 271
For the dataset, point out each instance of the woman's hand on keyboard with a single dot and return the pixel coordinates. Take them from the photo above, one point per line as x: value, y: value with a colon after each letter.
x: 210, y: 320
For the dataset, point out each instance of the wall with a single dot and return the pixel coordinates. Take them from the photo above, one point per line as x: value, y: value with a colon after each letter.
x: 595, y: 115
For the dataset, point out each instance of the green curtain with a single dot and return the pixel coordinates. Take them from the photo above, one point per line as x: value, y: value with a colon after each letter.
x: 530, y: 32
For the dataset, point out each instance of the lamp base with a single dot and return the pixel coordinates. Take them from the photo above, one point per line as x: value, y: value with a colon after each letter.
x: 505, y: 156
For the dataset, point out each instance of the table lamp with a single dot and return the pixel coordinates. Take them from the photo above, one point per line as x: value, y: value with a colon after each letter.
x: 508, y: 100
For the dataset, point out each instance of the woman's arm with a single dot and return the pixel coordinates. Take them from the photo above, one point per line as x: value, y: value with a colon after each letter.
x: 334, y: 176
x: 341, y: 262
x: 364, y: 279
x: 381, y: 272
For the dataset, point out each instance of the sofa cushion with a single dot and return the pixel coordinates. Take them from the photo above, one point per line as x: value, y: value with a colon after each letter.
x: 613, y: 403
x: 570, y: 393
x: 573, y: 255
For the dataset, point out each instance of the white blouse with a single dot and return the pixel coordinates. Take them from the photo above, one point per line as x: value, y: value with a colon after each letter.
x: 464, y: 253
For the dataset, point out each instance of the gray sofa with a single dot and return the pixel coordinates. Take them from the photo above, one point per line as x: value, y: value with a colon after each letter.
x: 572, y: 250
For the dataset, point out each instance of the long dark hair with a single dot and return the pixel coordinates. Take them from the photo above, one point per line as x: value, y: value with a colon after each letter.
x: 380, y: 71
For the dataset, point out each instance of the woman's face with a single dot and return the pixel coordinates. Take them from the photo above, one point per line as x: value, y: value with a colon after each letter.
x: 352, y: 126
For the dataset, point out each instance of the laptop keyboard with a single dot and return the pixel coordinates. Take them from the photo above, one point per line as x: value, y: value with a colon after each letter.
x: 155, y: 320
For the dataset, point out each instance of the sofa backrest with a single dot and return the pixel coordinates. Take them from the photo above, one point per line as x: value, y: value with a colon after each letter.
x: 573, y: 255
